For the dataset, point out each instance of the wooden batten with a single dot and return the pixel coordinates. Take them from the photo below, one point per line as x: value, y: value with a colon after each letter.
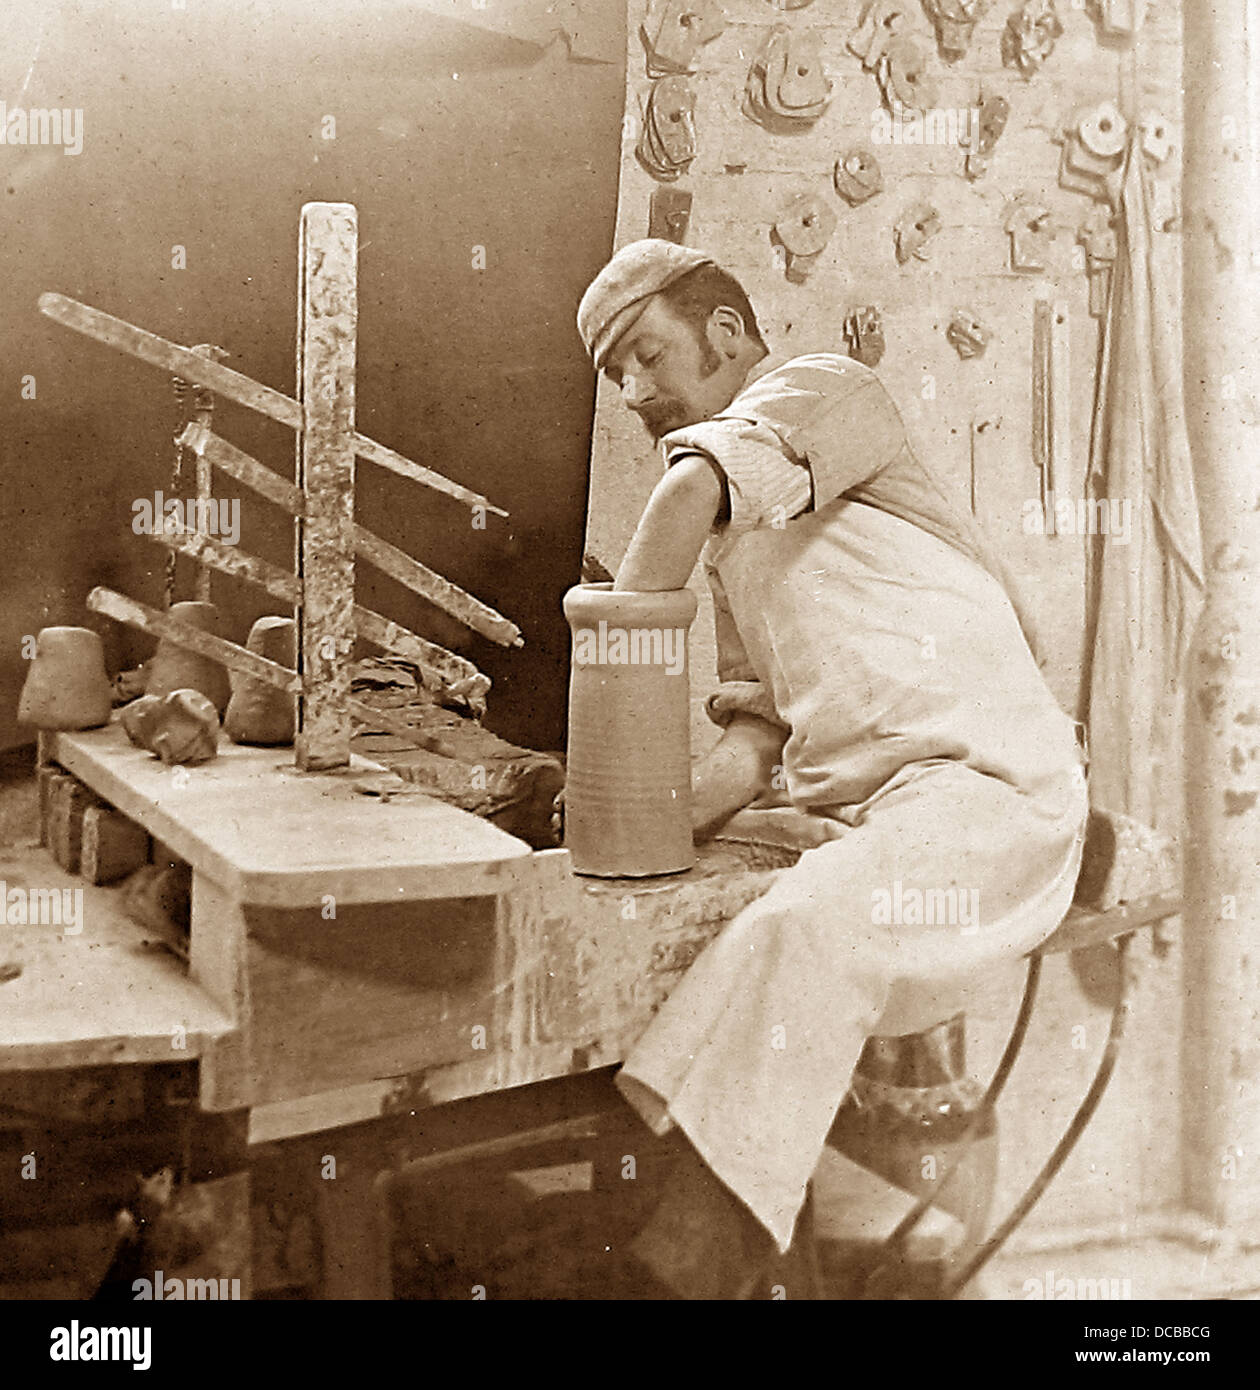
x: 233, y: 386
x: 389, y: 559
x: 139, y: 615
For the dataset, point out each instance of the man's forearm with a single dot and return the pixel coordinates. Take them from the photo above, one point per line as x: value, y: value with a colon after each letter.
x: 735, y: 772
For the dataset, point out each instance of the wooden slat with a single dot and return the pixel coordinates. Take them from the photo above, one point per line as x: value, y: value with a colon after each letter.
x: 1041, y: 400
x: 1083, y: 927
x: 228, y: 654
x: 456, y: 672
x: 453, y: 672
x: 395, y: 462
x: 246, y: 470
x: 227, y: 559
x: 328, y: 311
x: 223, y: 381
x: 419, y: 578
x: 1059, y: 453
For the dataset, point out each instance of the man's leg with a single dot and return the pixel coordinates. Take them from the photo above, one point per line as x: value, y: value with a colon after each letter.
x: 752, y: 1053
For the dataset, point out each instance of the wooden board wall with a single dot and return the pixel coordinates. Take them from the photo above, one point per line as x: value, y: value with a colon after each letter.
x: 1127, y: 1161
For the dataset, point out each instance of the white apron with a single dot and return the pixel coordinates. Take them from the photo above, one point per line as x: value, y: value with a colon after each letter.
x: 925, y: 740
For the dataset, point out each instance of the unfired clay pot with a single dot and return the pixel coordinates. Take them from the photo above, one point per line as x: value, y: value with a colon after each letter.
x: 258, y: 712
x: 627, y: 800
x: 66, y: 686
x: 176, y: 668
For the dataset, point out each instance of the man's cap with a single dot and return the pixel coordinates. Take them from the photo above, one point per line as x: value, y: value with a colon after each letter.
x: 620, y: 292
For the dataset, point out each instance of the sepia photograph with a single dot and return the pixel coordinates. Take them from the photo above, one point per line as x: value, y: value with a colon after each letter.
x: 629, y: 665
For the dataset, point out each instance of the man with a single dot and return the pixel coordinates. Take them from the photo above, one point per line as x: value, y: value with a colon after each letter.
x: 869, y: 654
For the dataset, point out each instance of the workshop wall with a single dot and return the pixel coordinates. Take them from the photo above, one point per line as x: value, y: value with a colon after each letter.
x: 206, y: 126
x: 970, y: 419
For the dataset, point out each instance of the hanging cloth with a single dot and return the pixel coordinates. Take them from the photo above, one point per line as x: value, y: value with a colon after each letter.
x: 1146, y: 593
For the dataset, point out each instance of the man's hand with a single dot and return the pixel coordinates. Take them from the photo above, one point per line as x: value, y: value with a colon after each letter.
x: 735, y: 771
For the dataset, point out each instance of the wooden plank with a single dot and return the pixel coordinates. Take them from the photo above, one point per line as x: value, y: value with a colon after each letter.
x: 239, y: 465
x: 1041, y: 400
x: 216, y: 963
x: 233, y: 386
x: 388, y: 558
x: 441, y: 592
x: 328, y: 315
x: 443, y: 668
x: 1082, y: 927
x: 376, y: 453
x: 140, y: 615
x: 455, y: 672
x: 103, y: 996
x: 266, y: 834
x: 228, y: 559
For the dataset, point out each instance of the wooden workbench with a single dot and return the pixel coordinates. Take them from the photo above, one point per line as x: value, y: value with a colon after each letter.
x: 372, y: 976
x: 357, y: 963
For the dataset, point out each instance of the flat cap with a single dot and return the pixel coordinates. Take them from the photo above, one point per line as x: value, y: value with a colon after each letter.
x: 619, y: 293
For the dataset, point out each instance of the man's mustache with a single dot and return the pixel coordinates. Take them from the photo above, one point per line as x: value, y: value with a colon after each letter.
x: 660, y: 416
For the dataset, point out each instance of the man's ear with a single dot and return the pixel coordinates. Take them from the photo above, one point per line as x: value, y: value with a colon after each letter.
x: 725, y: 330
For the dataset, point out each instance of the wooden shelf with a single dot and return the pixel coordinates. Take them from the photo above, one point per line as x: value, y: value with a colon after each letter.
x: 270, y: 835
x: 106, y: 994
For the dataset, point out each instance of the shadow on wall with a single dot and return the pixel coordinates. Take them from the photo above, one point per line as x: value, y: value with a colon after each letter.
x: 484, y: 169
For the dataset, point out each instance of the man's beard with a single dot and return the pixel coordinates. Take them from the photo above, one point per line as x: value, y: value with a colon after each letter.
x: 660, y: 417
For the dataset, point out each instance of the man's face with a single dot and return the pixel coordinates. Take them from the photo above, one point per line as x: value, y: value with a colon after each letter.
x: 669, y: 375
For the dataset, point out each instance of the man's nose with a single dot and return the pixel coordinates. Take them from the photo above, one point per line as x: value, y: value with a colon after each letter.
x: 634, y: 390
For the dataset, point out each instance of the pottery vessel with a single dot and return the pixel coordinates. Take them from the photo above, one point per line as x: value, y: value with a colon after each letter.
x: 627, y: 804
x: 258, y: 712
x: 176, y: 668
x: 66, y: 686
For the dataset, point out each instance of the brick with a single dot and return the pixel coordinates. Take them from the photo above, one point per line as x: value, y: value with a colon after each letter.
x: 67, y: 801
x: 112, y: 845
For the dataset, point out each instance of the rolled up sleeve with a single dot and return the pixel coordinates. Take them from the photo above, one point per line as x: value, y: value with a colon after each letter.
x: 766, y: 486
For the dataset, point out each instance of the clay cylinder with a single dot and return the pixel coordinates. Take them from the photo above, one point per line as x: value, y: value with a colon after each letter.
x: 176, y: 668
x: 258, y: 712
x: 627, y: 800
x: 66, y: 686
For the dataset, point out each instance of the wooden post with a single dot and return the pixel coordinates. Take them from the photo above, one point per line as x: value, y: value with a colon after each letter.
x: 327, y: 321
x: 1221, y: 1057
